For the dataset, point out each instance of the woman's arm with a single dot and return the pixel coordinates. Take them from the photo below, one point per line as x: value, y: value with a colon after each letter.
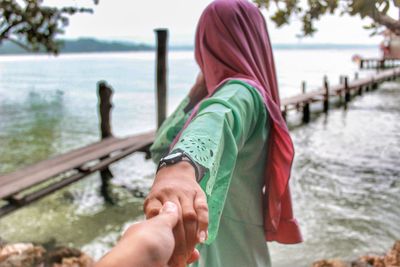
x: 213, y: 139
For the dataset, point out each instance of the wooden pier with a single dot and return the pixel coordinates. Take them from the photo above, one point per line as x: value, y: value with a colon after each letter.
x: 379, y: 63
x: 343, y: 92
x: 24, y: 186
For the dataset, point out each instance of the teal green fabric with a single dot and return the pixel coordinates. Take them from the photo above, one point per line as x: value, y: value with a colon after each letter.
x: 228, y: 138
x: 169, y: 130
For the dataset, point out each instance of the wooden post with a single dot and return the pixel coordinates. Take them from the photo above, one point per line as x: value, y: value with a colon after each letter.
x: 284, y: 112
x: 162, y: 38
x: 306, y: 112
x: 105, y: 92
x: 341, y: 79
x: 346, y: 90
x: 303, y: 87
x: 306, y: 105
x: 374, y: 84
x: 326, y: 98
x: 382, y: 64
x: 361, y: 63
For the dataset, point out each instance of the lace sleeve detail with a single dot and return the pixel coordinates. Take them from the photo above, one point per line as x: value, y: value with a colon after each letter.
x: 214, y: 137
x: 168, y: 131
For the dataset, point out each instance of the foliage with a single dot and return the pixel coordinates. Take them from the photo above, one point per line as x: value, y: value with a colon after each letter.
x: 309, y: 11
x: 33, y: 26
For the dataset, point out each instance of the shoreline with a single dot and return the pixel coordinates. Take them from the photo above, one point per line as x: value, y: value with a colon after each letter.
x: 48, y: 255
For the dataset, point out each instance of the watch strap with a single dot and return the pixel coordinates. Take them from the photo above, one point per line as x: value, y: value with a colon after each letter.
x: 199, y: 170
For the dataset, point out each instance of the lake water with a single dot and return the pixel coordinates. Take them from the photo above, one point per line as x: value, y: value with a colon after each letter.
x: 346, y: 177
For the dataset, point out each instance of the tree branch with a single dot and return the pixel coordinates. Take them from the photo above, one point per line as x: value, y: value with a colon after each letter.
x: 387, y: 21
x: 4, y: 33
x: 23, y: 46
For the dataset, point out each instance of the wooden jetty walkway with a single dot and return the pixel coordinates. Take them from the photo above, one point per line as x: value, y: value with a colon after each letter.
x: 379, y: 63
x: 343, y: 91
x: 24, y: 186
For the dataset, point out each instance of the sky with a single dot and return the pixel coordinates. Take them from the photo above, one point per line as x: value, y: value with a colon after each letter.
x: 134, y: 20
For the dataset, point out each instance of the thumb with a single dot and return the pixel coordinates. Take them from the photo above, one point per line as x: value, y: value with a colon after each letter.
x: 169, y: 214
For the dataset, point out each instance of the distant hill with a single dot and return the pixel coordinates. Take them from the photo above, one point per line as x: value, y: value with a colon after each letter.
x: 83, y: 45
x: 88, y: 45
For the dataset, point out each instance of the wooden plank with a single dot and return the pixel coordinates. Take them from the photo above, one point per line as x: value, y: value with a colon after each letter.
x: 23, y: 179
x: 17, y: 201
x: 5, y: 178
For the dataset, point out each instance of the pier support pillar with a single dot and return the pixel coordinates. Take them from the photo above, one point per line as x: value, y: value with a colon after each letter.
x: 374, y: 84
x: 161, y: 69
x: 347, y: 96
x: 306, y: 105
x: 326, y: 96
x: 284, y: 112
x: 306, y: 112
x: 105, y: 93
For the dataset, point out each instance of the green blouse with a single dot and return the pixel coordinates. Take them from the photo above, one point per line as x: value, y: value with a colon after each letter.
x: 227, y: 137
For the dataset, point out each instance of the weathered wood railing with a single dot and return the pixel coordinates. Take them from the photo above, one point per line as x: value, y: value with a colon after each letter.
x: 379, y: 63
x: 342, y: 91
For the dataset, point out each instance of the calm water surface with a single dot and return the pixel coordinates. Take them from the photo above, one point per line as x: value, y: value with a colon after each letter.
x: 346, y: 177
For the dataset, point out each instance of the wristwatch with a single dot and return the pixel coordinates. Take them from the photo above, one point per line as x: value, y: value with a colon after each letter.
x: 178, y: 156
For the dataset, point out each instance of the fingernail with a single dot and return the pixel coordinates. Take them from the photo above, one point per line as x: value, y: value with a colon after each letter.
x: 169, y: 207
x: 202, y: 236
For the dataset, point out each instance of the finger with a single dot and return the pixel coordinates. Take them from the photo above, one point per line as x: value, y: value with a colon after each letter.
x: 152, y: 207
x: 178, y: 257
x: 189, y: 217
x: 195, y: 256
x: 169, y: 214
x: 201, y: 207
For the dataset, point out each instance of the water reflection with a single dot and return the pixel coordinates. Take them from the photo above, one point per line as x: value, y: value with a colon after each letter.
x: 30, y: 127
x: 346, y: 180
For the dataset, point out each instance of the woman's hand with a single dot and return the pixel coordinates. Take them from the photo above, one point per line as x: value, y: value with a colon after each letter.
x: 177, y: 183
x: 147, y: 244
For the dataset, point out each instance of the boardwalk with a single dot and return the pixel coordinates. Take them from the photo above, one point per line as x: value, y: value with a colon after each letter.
x: 50, y: 175
x: 378, y: 63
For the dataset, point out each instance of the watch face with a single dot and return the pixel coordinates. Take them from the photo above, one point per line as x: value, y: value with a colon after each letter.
x: 173, y: 155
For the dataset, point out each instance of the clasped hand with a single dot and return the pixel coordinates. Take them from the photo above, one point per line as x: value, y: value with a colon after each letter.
x: 177, y: 183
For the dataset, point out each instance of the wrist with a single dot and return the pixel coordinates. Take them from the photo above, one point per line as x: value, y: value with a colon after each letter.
x: 178, y: 156
x: 182, y: 169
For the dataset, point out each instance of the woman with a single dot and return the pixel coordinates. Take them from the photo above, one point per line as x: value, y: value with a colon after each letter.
x: 230, y: 135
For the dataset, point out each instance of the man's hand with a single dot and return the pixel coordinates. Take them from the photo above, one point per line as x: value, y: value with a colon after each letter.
x: 146, y: 244
x: 177, y: 183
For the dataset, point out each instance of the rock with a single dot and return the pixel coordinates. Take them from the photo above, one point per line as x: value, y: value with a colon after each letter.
x: 81, y: 261
x: 29, y: 255
x: 21, y: 255
x: 373, y: 260
x: 57, y: 255
x: 68, y: 257
x: 392, y: 258
x: 359, y: 264
x: 331, y: 263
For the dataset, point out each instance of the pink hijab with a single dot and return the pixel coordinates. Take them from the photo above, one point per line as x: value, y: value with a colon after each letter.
x: 232, y: 42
